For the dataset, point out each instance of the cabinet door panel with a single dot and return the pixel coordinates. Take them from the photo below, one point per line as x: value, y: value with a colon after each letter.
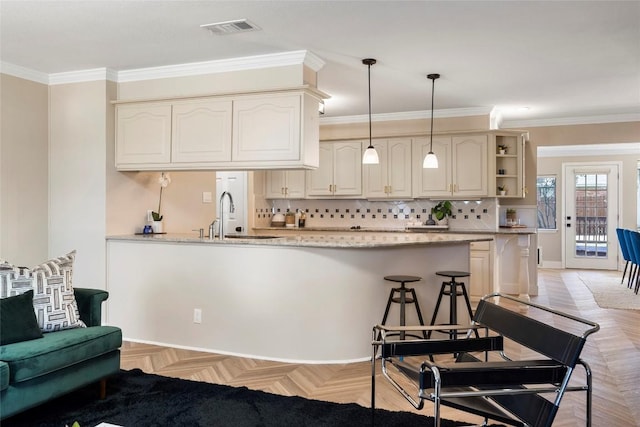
x: 319, y: 181
x: 201, y: 132
x: 348, y: 168
x: 295, y: 181
x: 432, y: 182
x: 470, y: 165
x: 275, y: 184
x: 375, y: 176
x: 143, y: 134
x: 399, y: 167
x: 267, y: 128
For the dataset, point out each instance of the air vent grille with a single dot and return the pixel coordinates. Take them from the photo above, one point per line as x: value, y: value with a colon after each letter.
x: 230, y: 27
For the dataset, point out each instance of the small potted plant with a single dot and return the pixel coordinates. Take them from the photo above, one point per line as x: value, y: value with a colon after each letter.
x: 511, y: 216
x: 502, y: 149
x: 502, y: 189
x: 442, y: 211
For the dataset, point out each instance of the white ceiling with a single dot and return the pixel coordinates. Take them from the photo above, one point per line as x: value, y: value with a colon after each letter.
x: 565, y: 60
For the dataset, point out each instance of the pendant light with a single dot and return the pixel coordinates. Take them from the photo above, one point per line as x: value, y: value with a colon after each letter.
x: 370, y: 156
x: 430, y: 160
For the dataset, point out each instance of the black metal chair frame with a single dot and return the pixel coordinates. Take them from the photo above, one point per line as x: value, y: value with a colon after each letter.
x: 499, y: 388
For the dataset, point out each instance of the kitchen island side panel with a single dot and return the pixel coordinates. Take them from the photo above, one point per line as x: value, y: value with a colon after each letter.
x: 313, y: 305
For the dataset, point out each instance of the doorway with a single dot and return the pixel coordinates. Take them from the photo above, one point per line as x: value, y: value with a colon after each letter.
x: 235, y: 183
x: 591, y: 207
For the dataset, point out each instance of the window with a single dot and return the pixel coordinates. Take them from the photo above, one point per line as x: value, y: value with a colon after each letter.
x: 546, y: 188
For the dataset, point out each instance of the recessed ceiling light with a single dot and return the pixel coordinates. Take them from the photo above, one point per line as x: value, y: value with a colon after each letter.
x: 230, y: 27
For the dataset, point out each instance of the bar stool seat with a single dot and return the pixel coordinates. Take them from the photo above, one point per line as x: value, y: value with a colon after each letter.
x: 403, y: 300
x: 453, y: 289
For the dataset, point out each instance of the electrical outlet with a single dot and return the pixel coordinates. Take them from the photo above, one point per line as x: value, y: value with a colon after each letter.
x: 197, y: 315
x: 149, y: 215
x: 207, y: 197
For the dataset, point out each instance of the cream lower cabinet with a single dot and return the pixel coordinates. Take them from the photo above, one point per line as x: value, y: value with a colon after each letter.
x: 391, y: 178
x: 284, y: 184
x: 481, y: 279
x: 462, y: 167
x: 339, y: 172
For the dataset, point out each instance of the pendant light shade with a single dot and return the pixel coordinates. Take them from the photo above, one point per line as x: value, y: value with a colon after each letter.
x: 370, y: 156
x: 430, y: 160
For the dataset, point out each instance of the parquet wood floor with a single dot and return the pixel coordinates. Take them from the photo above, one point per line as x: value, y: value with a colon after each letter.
x: 613, y: 354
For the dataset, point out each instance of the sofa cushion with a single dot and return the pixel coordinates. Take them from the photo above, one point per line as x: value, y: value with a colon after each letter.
x: 56, y: 350
x: 4, y: 376
x: 52, y: 282
x: 17, y: 319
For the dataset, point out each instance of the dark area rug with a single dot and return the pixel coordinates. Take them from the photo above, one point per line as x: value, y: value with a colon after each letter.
x: 136, y: 399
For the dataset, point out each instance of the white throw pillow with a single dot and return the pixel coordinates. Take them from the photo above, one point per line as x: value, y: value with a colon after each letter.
x: 54, y: 301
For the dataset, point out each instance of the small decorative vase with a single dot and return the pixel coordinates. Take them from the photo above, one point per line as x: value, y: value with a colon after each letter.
x: 503, y: 192
x: 156, y: 226
x: 443, y: 221
x: 502, y: 152
x: 430, y: 221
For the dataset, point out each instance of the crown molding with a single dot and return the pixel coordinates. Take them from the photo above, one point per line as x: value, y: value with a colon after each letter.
x: 303, y: 57
x: 224, y: 65
x: 407, y: 115
x: 24, y: 73
x: 605, y: 149
x: 568, y: 121
x: 80, y: 76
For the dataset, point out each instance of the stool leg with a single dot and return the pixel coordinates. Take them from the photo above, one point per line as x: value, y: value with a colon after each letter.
x: 386, y: 310
x: 453, y: 308
x: 403, y: 300
x: 435, y: 310
x: 466, y: 299
x: 415, y: 300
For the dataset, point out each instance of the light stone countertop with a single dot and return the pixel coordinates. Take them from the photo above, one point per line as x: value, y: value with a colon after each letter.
x: 340, y: 240
x: 501, y: 230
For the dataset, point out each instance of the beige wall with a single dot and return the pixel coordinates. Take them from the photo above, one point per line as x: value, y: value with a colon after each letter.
x: 627, y: 132
x: 77, y: 176
x: 23, y: 170
x: 218, y: 83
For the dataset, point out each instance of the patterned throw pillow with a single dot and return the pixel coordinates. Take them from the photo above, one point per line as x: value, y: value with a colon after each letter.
x: 54, y: 302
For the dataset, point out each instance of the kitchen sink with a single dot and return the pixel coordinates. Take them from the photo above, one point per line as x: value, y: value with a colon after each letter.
x: 239, y: 236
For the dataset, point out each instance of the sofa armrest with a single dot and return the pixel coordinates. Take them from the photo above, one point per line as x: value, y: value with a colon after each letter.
x: 90, y: 304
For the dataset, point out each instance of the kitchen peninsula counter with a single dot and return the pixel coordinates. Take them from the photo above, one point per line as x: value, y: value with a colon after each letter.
x: 311, y: 299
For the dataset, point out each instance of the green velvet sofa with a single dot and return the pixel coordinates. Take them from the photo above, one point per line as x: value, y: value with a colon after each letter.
x: 33, y: 372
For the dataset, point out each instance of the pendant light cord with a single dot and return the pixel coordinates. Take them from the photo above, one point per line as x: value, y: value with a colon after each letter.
x: 433, y: 88
x: 369, y: 75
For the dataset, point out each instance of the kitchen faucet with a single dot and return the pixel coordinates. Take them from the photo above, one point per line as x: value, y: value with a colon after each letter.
x: 231, y: 210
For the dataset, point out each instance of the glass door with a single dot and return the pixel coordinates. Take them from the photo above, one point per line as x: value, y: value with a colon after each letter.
x: 591, y: 216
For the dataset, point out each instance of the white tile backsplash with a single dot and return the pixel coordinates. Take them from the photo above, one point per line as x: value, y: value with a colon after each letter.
x: 467, y: 215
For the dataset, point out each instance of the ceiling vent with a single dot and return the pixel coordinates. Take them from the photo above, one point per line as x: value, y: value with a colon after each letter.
x: 230, y: 27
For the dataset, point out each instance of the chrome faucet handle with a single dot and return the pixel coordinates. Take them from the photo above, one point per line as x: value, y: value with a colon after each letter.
x: 212, y: 229
x: 201, y: 230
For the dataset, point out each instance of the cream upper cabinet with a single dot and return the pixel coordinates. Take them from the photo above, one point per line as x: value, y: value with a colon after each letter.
x: 266, y: 128
x: 281, y: 184
x: 391, y: 178
x: 507, y: 163
x: 339, y: 172
x: 201, y: 131
x: 261, y: 130
x: 462, y: 167
x: 143, y: 134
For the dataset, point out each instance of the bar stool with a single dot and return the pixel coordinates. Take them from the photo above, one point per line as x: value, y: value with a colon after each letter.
x: 453, y: 290
x: 403, y: 299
